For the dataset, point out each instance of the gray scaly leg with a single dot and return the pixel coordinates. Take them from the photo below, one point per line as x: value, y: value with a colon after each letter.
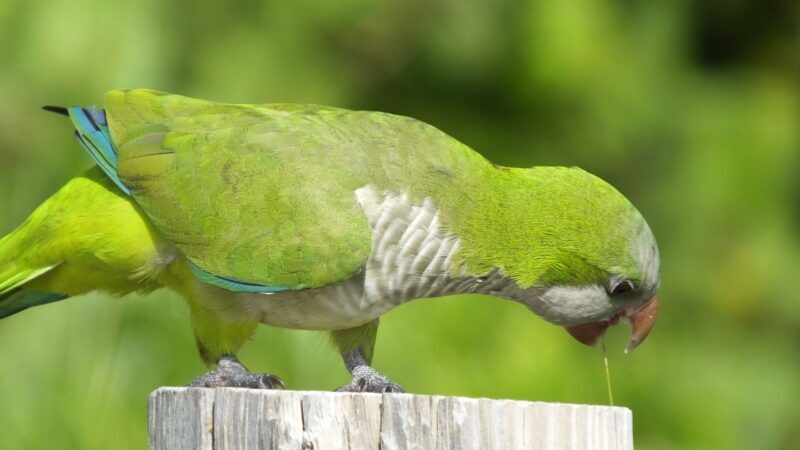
x: 356, y: 346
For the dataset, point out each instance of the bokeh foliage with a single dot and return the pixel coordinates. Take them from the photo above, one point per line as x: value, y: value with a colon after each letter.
x: 690, y: 108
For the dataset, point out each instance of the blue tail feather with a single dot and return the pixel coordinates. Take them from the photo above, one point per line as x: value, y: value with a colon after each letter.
x: 91, y: 129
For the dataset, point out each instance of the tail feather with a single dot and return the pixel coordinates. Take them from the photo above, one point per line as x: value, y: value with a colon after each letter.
x: 15, y: 297
x: 56, y: 109
x: 91, y: 129
x: 85, y: 237
x: 18, y: 278
x: 21, y: 299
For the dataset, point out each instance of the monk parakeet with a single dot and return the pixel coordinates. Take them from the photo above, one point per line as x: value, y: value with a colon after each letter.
x: 319, y: 218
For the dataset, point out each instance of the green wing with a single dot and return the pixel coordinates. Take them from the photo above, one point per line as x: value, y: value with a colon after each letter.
x: 252, y: 195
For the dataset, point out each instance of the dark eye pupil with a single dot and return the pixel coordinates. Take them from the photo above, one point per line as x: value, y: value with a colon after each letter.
x: 622, y: 287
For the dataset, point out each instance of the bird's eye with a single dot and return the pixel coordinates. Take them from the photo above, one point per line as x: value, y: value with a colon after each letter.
x: 621, y: 287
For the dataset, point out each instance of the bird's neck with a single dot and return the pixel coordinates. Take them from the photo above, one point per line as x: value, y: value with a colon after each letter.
x: 415, y: 252
x: 524, y: 224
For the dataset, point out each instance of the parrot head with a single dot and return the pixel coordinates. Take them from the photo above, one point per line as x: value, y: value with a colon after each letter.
x: 581, y: 255
x: 623, y: 289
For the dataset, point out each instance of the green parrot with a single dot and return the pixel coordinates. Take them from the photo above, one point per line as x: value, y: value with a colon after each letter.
x: 319, y: 218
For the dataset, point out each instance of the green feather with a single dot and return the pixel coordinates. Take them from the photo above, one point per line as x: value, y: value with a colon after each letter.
x: 265, y: 193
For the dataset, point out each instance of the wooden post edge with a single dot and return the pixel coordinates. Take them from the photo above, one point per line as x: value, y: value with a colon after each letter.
x: 196, y: 418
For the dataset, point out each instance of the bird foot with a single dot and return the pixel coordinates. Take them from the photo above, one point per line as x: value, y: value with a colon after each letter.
x: 231, y: 373
x: 367, y: 379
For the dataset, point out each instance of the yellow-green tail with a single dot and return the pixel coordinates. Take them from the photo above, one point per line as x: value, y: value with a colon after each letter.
x: 88, y: 236
x: 15, y: 296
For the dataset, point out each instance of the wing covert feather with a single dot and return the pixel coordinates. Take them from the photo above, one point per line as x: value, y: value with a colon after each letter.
x: 252, y: 193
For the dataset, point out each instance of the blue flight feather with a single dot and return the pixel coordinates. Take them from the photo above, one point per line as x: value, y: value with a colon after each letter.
x: 231, y: 284
x: 91, y: 128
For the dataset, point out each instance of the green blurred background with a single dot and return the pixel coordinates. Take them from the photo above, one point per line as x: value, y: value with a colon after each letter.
x: 690, y: 108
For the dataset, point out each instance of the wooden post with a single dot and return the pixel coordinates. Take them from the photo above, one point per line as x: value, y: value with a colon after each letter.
x: 225, y: 419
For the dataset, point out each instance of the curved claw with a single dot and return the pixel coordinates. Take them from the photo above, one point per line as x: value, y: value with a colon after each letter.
x: 240, y: 380
x: 368, y: 380
x: 231, y: 373
x: 268, y: 381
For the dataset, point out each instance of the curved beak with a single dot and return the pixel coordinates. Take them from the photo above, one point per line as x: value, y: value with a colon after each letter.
x: 641, y: 319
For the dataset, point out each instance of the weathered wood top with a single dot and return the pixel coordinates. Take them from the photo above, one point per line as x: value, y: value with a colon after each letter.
x: 194, y: 418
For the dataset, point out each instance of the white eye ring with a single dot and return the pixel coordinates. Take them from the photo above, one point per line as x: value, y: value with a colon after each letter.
x: 621, y: 286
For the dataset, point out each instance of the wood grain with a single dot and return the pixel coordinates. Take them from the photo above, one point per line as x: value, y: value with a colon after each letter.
x: 234, y: 419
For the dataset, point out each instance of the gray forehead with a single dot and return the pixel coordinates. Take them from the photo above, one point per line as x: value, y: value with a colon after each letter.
x: 645, y: 252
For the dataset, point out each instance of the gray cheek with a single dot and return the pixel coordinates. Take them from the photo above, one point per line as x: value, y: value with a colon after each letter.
x: 569, y: 305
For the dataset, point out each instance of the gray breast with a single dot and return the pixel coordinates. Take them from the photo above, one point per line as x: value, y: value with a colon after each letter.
x: 411, y: 255
x: 411, y: 258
